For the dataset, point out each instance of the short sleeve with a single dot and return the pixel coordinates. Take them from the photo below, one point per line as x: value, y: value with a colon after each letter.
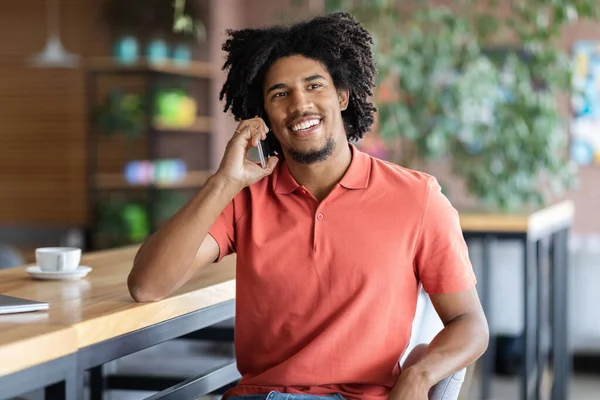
x: 223, y: 231
x: 441, y: 255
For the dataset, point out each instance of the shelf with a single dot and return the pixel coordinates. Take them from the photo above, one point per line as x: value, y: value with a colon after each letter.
x: 196, y: 69
x: 193, y: 179
x: 202, y: 124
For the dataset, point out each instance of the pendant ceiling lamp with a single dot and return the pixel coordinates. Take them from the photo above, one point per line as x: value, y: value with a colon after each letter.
x: 54, y: 54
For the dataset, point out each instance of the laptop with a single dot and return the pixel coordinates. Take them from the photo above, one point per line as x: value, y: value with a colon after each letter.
x: 10, y: 305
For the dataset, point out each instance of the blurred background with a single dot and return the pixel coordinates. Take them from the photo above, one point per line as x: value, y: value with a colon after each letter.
x: 110, y: 121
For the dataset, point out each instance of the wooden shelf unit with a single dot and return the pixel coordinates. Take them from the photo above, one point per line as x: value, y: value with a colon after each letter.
x: 195, y: 69
x: 202, y: 124
x: 115, y: 181
x: 195, y: 72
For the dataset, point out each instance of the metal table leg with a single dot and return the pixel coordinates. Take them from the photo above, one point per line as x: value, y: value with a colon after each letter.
x: 66, y: 389
x: 530, y: 262
x: 97, y: 384
x: 560, y: 352
x: 544, y: 284
x: 488, y: 358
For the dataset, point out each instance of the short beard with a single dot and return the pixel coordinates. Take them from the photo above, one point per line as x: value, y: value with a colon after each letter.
x: 313, y: 156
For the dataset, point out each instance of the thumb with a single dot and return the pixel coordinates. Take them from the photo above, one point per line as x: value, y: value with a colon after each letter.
x: 271, y: 163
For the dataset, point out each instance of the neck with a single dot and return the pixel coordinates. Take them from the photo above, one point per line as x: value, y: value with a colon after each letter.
x: 320, y: 178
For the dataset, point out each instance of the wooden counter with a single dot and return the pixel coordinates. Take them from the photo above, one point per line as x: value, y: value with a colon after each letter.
x: 28, y: 342
x: 560, y: 214
x: 99, y: 307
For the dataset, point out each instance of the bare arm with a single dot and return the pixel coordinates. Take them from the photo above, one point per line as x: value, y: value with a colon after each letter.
x: 462, y: 341
x: 164, y: 262
x: 182, y: 246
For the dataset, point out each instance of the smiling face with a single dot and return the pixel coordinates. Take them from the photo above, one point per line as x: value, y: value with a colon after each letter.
x: 304, y: 109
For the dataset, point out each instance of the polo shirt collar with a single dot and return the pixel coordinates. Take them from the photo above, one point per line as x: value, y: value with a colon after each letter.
x: 356, y: 176
x: 285, y: 182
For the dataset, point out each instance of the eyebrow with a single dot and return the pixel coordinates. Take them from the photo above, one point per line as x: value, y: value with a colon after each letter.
x: 307, y: 79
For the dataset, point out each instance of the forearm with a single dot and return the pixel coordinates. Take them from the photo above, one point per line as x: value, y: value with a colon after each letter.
x: 462, y: 341
x: 166, y: 256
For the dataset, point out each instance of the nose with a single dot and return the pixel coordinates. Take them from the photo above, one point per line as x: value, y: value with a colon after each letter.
x: 299, y: 102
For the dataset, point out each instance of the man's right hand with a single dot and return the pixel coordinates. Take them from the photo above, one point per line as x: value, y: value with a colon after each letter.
x: 234, y: 165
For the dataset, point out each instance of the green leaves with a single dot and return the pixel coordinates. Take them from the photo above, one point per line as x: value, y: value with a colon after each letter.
x: 486, y: 26
x: 121, y: 112
x: 522, y: 150
x: 493, y: 111
x: 185, y: 24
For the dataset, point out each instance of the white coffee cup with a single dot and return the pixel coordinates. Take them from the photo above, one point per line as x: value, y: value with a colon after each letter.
x: 58, y: 259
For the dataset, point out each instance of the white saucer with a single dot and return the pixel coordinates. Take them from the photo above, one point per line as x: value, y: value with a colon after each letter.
x: 79, y: 273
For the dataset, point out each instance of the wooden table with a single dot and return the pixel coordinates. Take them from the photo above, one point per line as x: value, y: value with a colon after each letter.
x: 101, y: 321
x: 544, y: 235
x: 36, y: 355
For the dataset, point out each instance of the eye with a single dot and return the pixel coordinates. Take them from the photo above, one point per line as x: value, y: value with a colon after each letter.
x: 314, y: 86
x: 279, y: 94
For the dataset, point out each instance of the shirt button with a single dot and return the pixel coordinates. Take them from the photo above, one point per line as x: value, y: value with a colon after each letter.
x: 319, y: 216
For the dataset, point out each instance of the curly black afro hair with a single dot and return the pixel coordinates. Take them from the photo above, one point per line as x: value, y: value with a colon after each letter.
x: 336, y: 40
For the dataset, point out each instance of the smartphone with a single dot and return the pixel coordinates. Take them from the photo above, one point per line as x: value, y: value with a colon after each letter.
x: 265, y: 147
x: 261, y: 154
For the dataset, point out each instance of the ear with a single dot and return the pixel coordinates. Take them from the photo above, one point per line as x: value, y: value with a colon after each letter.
x: 343, y: 96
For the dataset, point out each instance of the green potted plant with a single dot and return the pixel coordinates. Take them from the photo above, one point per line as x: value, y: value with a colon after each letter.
x: 186, y: 20
x: 120, y: 222
x: 121, y: 113
x: 444, y: 94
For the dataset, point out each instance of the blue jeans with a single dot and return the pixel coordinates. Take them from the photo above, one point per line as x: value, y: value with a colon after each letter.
x: 287, y: 396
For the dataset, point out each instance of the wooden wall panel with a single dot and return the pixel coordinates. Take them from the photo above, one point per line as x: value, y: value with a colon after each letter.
x: 42, y: 117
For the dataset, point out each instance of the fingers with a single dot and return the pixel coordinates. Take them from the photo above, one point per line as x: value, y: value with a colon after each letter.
x: 257, y: 125
x: 250, y: 133
x: 262, y: 125
x: 243, y: 137
x: 257, y: 136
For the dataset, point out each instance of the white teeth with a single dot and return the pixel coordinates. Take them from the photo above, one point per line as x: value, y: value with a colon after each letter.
x: 305, y: 124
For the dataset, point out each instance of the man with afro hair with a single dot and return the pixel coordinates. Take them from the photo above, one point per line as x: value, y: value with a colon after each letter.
x: 333, y: 245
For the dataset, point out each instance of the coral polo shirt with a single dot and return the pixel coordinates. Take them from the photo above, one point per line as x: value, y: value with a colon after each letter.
x: 327, y: 292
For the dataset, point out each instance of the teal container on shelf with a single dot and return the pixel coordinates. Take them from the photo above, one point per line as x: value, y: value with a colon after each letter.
x: 157, y: 52
x: 182, y: 55
x: 169, y: 170
x: 126, y: 50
